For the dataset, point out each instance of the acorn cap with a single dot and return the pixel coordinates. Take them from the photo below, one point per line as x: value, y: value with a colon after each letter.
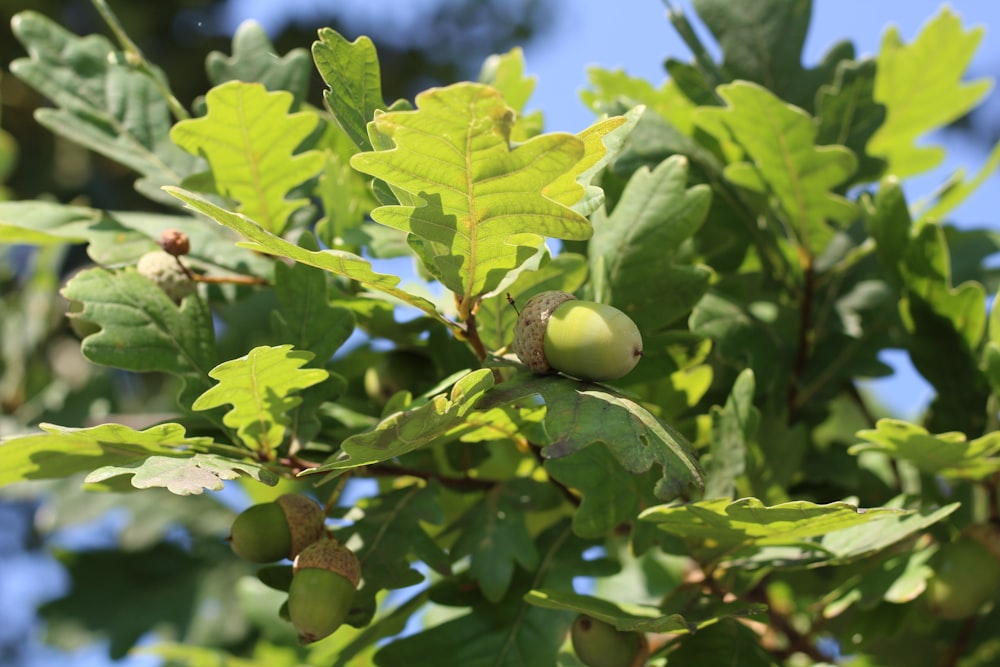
x: 529, y: 332
x: 305, y: 520
x: 329, y: 554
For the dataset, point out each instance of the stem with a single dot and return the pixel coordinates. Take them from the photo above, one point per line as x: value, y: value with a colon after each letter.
x: 135, y: 56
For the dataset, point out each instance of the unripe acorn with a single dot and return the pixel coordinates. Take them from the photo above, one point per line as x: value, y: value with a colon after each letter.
x: 271, y: 531
x: 591, y: 341
x: 326, y: 574
x: 163, y: 269
x: 599, y: 644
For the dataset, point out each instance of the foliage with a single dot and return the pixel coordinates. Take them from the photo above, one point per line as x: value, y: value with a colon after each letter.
x: 738, y: 497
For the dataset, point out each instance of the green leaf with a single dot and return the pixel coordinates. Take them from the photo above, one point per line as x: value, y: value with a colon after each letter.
x: 60, y: 452
x: 579, y: 414
x: 629, y: 617
x: 762, y: 43
x: 351, y: 70
x: 339, y: 262
x: 611, y: 494
x: 922, y: 88
x: 183, y: 476
x: 732, y: 428
x: 259, y: 386
x: 510, y: 633
x: 403, y: 432
x: 101, y: 102
x: 848, y: 115
x: 483, y: 210
x: 785, y: 162
x: 250, y: 139
x: 495, y: 536
x: 254, y: 59
x: 391, y: 528
x: 720, y: 528
x: 638, y: 244
x: 947, y: 454
x: 142, y: 329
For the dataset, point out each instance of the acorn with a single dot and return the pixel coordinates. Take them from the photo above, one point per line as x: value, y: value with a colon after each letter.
x: 555, y: 331
x: 600, y: 644
x: 268, y: 532
x: 165, y: 270
x: 326, y: 575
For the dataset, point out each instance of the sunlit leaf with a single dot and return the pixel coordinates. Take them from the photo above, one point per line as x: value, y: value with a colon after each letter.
x: 947, y: 454
x: 482, y: 211
x: 60, y: 452
x: 720, y: 527
x: 921, y: 85
x: 183, y: 476
x: 339, y: 262
x: 250, y: 139
x: 259, y: 387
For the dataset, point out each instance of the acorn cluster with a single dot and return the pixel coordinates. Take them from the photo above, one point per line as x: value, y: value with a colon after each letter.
x: 325, y: 572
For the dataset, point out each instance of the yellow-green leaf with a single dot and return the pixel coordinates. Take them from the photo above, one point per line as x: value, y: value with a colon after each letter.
x: 249, y: 140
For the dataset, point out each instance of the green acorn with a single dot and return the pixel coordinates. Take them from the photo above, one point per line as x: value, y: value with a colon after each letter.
x: 591, y: 341
x: 326, y: 575
x: 281, y: 529
x: 599, y: 644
